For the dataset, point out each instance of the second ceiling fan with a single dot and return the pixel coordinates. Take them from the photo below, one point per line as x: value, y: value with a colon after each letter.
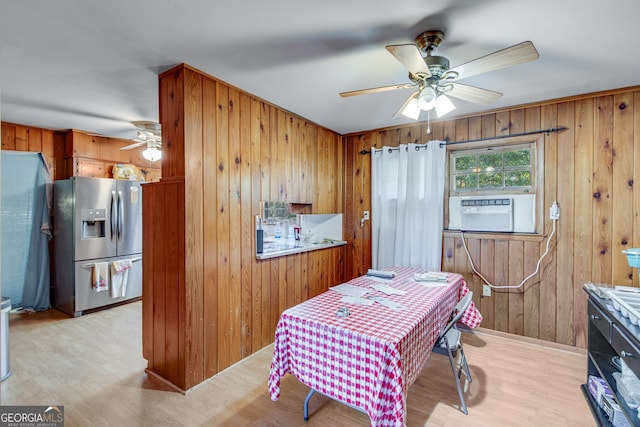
x: 434, y: 80
x: 148, y: 135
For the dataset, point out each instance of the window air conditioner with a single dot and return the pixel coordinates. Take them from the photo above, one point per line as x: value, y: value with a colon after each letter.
x: 486, y: 214
x: 508, y: 213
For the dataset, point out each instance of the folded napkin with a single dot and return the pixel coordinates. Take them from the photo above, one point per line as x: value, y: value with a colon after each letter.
x: 431, y: 276
x: 381, y: 273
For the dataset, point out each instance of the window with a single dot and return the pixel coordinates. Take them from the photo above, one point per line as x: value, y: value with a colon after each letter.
x: 498, y: 169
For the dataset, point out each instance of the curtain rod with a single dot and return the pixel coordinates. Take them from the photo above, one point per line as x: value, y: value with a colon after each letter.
x: 443, y: 144
x: 533, y: 132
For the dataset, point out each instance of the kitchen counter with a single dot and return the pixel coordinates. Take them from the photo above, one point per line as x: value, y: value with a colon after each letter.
x: 281, y: 247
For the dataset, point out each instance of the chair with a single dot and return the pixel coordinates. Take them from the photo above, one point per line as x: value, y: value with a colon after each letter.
x: 449, y: 343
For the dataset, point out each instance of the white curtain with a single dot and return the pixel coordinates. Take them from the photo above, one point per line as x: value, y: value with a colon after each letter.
x: 407, y: 205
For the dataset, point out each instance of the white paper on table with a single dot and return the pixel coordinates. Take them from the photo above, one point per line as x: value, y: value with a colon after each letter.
x: 386, y: 289
x: 348, y: 299
x: 431, y: 284
x: 350, y: 290
x: 388, y: 303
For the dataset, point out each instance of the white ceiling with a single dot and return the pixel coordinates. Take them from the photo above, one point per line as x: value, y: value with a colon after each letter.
x: 94, y: 65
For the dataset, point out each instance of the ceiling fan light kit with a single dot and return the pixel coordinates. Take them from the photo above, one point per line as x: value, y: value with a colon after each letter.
x: 149, y: 135
x: 152, y: 154
x: 444, y: 105
x: 427, y: 98
x: 432, y: 77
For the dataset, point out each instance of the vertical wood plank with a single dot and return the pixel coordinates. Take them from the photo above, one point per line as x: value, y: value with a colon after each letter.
x: 548, y: 266
x: 34, y: 139
x: 251, y: 189
x: 210, y: 234
x: 516, y: 295
x: 516, y: 259
x: 191, y: 301
x: 249, y: 331
x: 622, y: 189
x: 636, y: 180
x: 564, y: 249
x: 223, y: 225
x: 531, y: 296
x: 8, y: 136
x: 171, y: 111
x: 475, y: 283
x: 602, y: 187
x: 234, y: 162
x: 487, y: 263
x: 531, y: 289
x: 583, y: 231
x: 501, y: 296
x: 282, y: 170
x: 22, y: 138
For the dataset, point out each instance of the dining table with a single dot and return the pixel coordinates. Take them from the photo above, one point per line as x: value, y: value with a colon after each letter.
x: 364, y: 342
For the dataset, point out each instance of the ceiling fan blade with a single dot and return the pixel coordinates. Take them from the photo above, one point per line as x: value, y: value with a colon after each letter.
x: 148, y: 126
x: 514, y: 55
x: 376, y: 89
x: 473, y: 94
x: 410, y: 57
x: 136, y: 145
x: 404, y: 104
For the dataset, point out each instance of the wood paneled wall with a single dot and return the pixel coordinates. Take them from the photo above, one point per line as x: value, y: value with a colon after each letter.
x: 76, y: 153
x: 590, y: 169
x: 27, y: 138
x: 207, y: 301
x: 95, y: 156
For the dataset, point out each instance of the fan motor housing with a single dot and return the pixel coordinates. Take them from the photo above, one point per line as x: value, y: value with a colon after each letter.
x: 429, y: 40
x: 437, y: 64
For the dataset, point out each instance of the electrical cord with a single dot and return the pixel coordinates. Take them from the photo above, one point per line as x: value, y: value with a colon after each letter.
x: 464, y: 244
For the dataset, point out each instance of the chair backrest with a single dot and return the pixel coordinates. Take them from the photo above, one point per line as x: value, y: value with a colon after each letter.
x: 457, y: 313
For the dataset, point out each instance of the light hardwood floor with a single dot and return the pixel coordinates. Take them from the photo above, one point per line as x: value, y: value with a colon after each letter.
x: 93, y: 366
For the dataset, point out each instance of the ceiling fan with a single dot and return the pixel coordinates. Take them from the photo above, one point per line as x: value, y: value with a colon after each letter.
x: 149, y: 135
x: 434, y: 80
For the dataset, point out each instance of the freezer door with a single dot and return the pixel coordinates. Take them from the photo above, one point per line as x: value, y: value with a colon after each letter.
x: 93, y: 201
x: 129, y: 224
x: 86, y: 298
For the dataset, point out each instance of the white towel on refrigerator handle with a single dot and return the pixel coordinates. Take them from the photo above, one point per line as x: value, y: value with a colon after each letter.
x: 100, y: 277
x: 119, y: 277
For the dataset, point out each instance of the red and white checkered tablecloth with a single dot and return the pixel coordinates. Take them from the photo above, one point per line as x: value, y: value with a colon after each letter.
x: 371, y: 357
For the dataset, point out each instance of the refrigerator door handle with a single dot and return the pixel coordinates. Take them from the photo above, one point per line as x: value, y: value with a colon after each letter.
x: 114, y: 215
x: 120, y: 216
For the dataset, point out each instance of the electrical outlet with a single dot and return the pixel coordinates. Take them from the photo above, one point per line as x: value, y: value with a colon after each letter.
x: 554, y: 211
x: 486, y: 290
x: 365, y: 215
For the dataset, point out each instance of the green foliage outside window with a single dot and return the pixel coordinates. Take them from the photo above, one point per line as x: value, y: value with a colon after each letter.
x: 492, y: 169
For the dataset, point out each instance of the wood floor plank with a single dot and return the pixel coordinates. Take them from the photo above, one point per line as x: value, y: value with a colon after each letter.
x: 93, y: 366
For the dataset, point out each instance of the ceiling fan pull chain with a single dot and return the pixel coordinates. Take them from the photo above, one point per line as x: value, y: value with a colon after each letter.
x: 428, y: 123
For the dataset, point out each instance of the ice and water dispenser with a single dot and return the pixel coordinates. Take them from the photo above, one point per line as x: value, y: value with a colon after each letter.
x: 93, y: 223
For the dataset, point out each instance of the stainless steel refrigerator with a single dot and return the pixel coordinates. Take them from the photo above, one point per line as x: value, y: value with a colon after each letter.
x: 96, y: 221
